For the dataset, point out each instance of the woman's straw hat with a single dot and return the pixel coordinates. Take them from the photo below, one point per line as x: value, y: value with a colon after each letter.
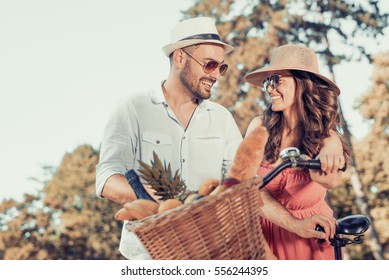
x: 289, y: 57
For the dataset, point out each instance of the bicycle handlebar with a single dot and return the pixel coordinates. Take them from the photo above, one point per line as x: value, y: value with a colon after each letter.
x: 293, y: 160
x: 315, y: 164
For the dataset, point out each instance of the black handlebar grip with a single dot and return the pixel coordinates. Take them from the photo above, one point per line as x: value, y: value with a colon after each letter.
x: 320, y: 228
x: 315, y: 164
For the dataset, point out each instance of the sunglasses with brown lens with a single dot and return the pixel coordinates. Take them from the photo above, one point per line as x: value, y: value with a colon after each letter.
x: 210, y: 66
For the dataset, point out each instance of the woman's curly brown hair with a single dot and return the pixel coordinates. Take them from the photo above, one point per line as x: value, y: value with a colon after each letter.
x: 317, y: 105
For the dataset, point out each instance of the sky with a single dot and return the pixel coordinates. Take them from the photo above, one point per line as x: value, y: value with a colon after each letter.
x: 64, y: 64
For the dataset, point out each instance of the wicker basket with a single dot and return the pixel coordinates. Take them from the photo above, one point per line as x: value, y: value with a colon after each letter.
x: 223, y: 227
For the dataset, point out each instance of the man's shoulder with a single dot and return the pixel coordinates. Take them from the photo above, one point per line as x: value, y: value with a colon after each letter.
x: 137, y: 97
x: 134, y: 95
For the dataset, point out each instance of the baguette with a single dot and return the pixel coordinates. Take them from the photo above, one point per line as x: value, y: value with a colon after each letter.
x: 169, y: 204
x: 148, y: 204
x: 208, y: 186
x: 138, y: 211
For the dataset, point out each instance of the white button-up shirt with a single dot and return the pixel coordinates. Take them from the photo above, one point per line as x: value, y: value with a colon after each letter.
x: 143, y: 123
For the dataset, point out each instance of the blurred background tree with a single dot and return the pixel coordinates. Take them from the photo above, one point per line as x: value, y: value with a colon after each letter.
x: 66, y: 221
x: 334, y: 29
x: 372, y: 152
x: 371, y: 160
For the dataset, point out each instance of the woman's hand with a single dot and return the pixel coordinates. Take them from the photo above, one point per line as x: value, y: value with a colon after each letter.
x: 306, y: 227
x: 332, y: 160
x: 331, y: 154
x: 331, y: 163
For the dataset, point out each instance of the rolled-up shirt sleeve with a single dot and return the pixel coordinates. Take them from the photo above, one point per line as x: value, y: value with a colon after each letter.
x: 118, y: 146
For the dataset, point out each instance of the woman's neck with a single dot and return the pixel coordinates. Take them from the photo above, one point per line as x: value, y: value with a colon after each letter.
x: 290, y: 121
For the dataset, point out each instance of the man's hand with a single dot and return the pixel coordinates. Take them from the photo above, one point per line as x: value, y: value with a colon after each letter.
x: 306, y: 227
x: 152, y: 192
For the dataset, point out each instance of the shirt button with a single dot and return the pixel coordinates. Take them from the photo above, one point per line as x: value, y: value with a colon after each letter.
x: 158, y: 141
x: 183, y: 160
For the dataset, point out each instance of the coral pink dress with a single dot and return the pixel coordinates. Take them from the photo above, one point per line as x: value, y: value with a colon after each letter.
x: 303, y: 197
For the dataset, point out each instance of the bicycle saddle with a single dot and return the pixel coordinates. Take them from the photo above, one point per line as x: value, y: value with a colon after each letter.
x: 352, y: 225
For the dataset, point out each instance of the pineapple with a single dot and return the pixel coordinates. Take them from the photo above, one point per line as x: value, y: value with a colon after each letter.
x: 161, y: 179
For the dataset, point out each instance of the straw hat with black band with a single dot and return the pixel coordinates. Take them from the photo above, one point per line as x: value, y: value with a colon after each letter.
x: 194, y: 31
x: 289, y: 57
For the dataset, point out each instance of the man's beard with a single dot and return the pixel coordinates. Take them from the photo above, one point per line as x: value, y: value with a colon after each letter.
x: 186, y: 78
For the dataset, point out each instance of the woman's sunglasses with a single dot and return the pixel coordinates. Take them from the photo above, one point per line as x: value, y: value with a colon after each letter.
x: 273, y: 81
x: 211, y: 65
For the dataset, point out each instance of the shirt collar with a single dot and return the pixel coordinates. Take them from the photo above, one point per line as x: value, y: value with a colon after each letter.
x: 158, y: 97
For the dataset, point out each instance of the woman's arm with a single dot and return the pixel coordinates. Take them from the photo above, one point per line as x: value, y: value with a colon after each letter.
x: 273, y: 211
x: 331, y: 159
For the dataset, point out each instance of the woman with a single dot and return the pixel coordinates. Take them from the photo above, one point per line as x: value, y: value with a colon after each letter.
x: 303, y: 114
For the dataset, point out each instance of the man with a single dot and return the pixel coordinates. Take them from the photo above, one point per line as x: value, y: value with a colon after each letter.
x: 177, y: 121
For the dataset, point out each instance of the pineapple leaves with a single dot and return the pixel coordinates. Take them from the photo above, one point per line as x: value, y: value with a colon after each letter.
x: 161, y: 179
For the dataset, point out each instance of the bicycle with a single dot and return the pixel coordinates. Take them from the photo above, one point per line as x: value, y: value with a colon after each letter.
x: 352, y: 225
